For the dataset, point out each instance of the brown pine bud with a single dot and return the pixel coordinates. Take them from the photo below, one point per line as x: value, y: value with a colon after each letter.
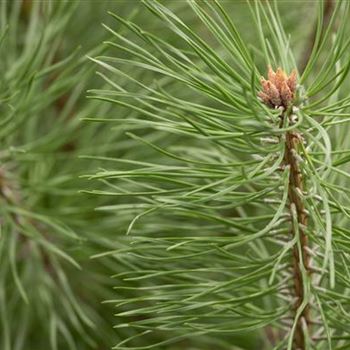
x: 292, y: 80
x: 271, y: 75
x: 280, y: 78
x: 265, y: 98
x: 274, y: 94
x: 279, y: 90
x: 286, y: 94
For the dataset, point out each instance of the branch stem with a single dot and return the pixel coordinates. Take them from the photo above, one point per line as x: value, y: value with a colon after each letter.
x: 296, y: 186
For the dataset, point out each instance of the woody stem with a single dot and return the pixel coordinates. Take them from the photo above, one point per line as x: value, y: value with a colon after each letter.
x: 297, y: 208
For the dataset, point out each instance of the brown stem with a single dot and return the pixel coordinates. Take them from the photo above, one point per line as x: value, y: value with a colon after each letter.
x: 296, y: 186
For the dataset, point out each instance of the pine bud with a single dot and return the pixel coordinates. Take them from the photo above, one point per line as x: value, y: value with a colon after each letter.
x: 279, y: 89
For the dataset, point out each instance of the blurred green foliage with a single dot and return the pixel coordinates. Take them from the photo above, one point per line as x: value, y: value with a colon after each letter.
x: 56, y: 290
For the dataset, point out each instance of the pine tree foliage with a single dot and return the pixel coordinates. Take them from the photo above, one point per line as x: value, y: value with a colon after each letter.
x: 236, y: 213
x: 50, y: 291
x: 222, y: 190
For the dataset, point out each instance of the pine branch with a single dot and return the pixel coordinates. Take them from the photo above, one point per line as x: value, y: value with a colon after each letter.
x: 279, y: 91
x: 297, y: 210
x: 205, y: 204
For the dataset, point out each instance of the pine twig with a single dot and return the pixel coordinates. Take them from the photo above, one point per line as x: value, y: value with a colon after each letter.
x: 293, y: 139
x: 279, y: 91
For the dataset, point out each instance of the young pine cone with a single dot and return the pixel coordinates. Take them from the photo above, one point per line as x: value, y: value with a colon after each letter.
x: 279, y: 89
